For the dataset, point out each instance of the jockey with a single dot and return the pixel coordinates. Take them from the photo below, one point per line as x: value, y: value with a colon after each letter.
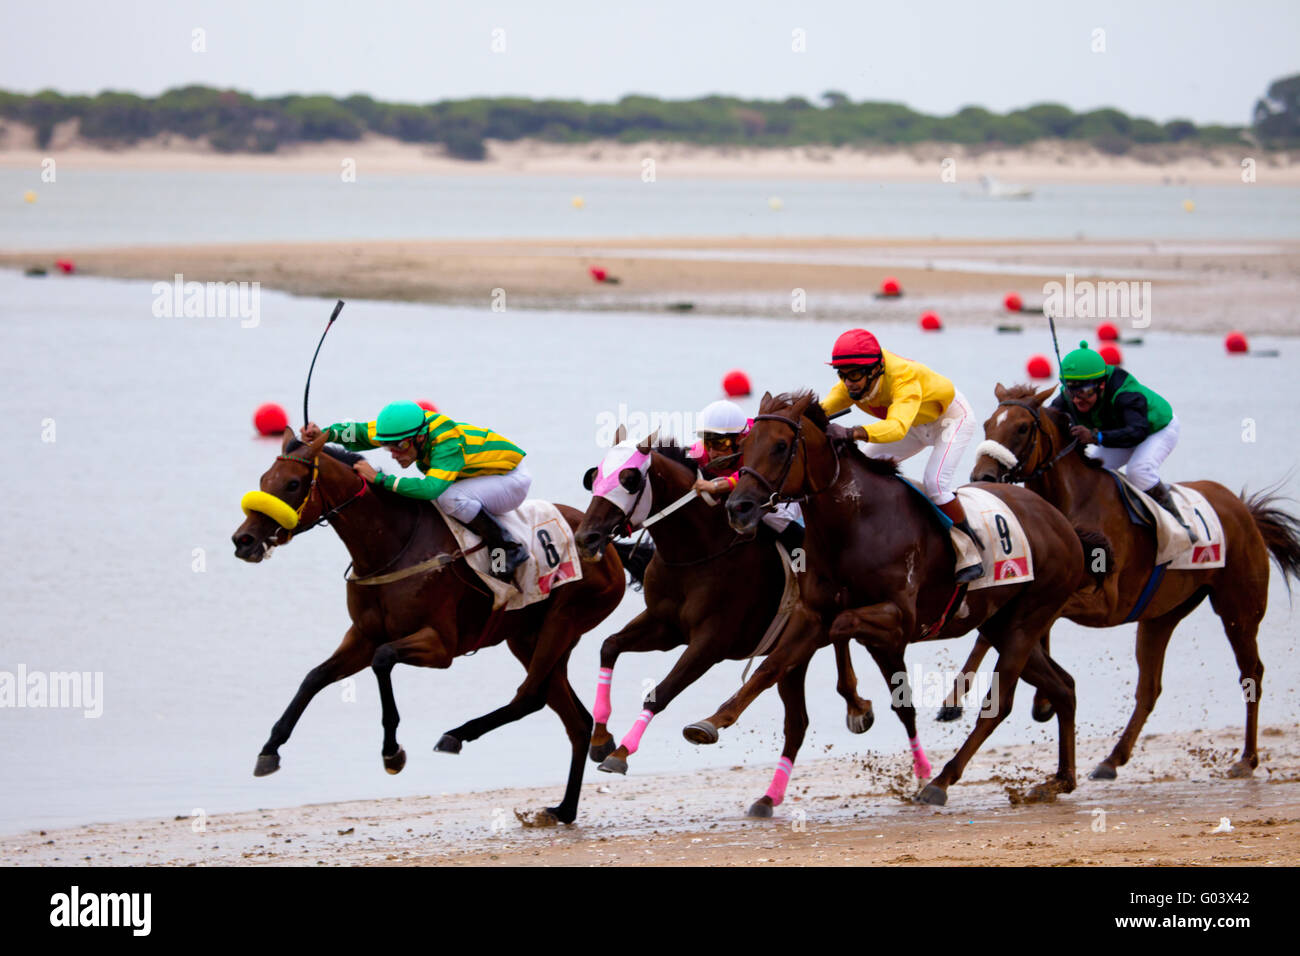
x: 1130, y: 425
x: 473, y: 473
x: 722, y: 426
x: 918, y: 409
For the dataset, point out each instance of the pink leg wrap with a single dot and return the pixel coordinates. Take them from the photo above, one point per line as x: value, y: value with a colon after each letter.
x: 920, y: 766
x: 633, y: 738
x: 776, y: 789
x: 602, y: 709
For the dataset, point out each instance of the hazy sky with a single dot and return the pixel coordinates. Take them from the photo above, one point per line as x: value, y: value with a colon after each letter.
x: 1163, y: 58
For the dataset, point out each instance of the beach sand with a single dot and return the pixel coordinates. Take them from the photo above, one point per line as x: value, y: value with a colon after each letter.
x: 843, y: 810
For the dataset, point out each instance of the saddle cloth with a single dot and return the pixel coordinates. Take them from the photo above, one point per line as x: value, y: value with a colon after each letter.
x: 1173, y: 547
x: 1005, y: 555
x: 540, y: 526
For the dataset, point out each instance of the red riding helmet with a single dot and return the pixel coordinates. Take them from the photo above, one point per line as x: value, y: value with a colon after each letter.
x: 855, y: 347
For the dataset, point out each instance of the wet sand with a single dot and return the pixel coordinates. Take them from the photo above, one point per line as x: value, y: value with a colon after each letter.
x: 1196, y: 286
x: 845, y: 810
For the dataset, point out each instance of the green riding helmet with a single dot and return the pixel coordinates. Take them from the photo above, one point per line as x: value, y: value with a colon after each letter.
x: 399, y: 420
x: 1083, y: 365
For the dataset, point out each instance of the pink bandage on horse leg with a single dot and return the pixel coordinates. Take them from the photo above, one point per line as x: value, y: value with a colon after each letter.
x: 781, y: 777
x: 920, y: 766
x: 603, y: 709
x: 633, y: 738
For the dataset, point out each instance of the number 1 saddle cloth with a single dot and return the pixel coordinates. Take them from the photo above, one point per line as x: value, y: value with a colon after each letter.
x: 549, y: 538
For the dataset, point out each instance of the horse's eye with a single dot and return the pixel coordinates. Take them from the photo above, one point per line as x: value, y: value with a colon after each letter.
x: 292, y: 486
x: 1022, y: 429
x: 779, y: 448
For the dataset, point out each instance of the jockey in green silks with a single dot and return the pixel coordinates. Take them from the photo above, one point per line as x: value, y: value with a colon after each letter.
x: 473, y: 473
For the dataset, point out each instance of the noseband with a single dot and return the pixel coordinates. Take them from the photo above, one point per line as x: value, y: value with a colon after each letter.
x: 1013, y: 475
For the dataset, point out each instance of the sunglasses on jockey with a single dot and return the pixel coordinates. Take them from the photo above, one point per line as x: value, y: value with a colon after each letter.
x: 1083, y: 389
x: 720, y: 442
x: 406, y: 444
x: 859, y: 373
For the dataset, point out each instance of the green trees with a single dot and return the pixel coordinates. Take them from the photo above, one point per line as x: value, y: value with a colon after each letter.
x: 1277, y: 114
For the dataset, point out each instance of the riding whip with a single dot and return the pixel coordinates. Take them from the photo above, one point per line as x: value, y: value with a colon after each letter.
x: 338, y: 307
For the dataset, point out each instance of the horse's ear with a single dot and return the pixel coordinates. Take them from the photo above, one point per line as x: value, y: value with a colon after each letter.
x: 1000, y: 392
x: 288, y: 437
x: 589, y: 479
x: 765, y: 401
x: 621, y: 435
x: 802, y: 405
x: 1044, y: 395
x: 648, y: 442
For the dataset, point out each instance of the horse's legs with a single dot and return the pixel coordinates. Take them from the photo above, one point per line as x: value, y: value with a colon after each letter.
x: 352, y: 655
x: 424, y: 648
x: 562, y: 699
x: 642, y: 633
x: 702, y: 652
x: 791, y: 689
x: 1054, y: 685
x: 961, y: 686
x: 860, y: 715
x: 1152, y: 640
x: 1241, y: 614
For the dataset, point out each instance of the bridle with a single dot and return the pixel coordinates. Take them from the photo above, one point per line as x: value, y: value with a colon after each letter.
x: 1015, y: 475
x: 314, y: 464
x: 776, y: 496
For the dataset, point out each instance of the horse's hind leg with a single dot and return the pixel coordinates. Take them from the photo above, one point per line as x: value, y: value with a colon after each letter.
x: 1056, y: 687
x: 351, y: 656
x: 962, y: 684
x: 1241, y: 614
x: 562, y: 699
x: 422, y: 649
x: 860, y: 715
x: 791, y: 689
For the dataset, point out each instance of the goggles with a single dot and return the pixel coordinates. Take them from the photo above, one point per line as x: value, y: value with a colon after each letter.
x: 1082, y: 389
x: 406, y: 444
x: 724, y: 442
x: 858, y: 373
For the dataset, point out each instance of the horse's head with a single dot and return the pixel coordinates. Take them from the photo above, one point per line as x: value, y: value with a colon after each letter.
x: 280, y: 505
x: 1014, y: 444
x: 620, y: 495
x: 775, y: 455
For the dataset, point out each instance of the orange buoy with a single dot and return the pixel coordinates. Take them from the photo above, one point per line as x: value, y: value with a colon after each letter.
x: 736, y: 384
x: 270, y: 419
x: 1111, y: 355
x: 1107, y: 332
x: 1012, y: 302
x: 890, y: 286
x: 427, y: 405
x: 931, y: 322
x: 1038, y: 367
x: 1236, y: 342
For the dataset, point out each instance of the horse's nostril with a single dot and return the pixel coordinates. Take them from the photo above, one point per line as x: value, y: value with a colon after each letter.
x: 243, y: 540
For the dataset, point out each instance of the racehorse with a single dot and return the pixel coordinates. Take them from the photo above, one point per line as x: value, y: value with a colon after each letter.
x: 880, y: 569
x: 706, y: 587
x: 413, y: 599
x: 1035, y: 447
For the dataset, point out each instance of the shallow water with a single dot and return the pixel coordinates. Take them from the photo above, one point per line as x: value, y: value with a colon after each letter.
x: 152, y: 449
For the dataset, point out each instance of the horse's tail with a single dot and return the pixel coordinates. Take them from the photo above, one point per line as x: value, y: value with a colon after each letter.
x: 1098, y: 555
x: 636, y: 558
x: 1281, y: 530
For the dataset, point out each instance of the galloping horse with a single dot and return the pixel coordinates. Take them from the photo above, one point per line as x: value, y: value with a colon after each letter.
x: 705, y: 587
x: 1036, y: 448
x: 430, y: 616
x: 880, y: 570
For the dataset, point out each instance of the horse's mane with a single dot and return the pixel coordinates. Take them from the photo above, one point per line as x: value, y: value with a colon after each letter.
x: 817, y: 415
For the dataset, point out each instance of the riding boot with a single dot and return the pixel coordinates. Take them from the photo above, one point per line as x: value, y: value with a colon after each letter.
x: 499, y: 542
x: 1159, y: 493
x: 957, y: 514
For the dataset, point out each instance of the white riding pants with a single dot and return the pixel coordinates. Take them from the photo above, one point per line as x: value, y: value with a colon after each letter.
x: 499, y: 494
x: 947, y: 437
x: 1141, y: 462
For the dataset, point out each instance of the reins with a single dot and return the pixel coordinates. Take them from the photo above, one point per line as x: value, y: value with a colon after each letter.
x: 777, y: 496
x: 1011, y: 476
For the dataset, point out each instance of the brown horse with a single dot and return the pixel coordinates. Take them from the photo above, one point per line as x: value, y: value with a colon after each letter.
x: 705, y: 587
x: 880, y: 570
x: 429, y: 617
x: 1051, y: 464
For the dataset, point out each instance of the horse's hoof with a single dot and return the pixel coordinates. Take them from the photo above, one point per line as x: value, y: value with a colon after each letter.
x: 1103, y: 771
x: 762, y: 808
x: 396, y: 762
x: 932, y: 795
x: 266, y: 763
x: 860, y: 723
x: 447, y: 744
x: 1044, y: 713
x: 600, y: 751
x: 948, y: 713
x: 1241, y: 770
x: 562, y: 816
x: 613, y: 765
x: 701, y: 732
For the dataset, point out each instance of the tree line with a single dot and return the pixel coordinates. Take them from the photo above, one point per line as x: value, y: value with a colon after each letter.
x: 239, y: 122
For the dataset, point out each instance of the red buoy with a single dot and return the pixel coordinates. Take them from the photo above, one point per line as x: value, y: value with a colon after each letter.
x: 270, y: 419
x: 1111, y: 354
x: 1107, y: 332
x: 1236, y: 342
x: 890, y: 286
x: 1012, y: 302
x: 427, y: 405
x: 1039, y: 367
x: 599, y: 274
x: 67, y: 265
x: 736, y: 384
x: 931, y: 322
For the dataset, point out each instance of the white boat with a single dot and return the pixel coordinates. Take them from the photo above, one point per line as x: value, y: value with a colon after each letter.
x: 996, y: 190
